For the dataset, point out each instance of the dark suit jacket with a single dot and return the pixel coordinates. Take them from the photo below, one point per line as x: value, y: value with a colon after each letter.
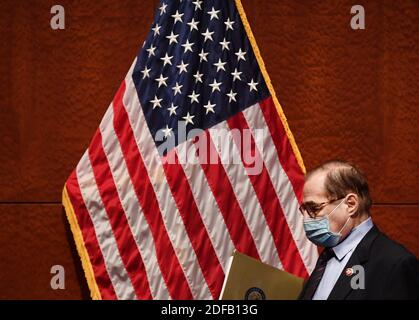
x: 391, y: 272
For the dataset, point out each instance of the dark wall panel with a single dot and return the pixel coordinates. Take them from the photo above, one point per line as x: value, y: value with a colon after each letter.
x: 34, y: 238
x: 56, y: 85
x: 400, y: 223
x: 348, y: 94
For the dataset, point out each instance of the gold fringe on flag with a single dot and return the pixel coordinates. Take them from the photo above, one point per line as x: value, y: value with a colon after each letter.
x: 269, y: 84
x: 81, y: 248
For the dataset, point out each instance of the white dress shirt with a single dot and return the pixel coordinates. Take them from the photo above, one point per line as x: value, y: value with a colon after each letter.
x: 343, y: 251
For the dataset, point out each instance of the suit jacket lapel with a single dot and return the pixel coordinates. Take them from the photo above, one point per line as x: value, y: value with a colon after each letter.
x: 360, y: 256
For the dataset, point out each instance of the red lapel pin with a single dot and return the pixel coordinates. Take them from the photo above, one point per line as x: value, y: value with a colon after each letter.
x: 349, y: 271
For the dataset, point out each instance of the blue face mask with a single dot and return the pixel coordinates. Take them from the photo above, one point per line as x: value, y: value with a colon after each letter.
x: 318, y: 230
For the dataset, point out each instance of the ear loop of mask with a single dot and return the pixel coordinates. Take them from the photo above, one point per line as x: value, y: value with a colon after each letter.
x: 339, y: 233
x: 344, y: 226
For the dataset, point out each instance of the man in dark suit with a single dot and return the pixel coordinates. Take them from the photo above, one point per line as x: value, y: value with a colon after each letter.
x: 359, y: 261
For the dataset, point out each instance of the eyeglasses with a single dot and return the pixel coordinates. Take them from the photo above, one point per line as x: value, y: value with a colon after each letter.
x: 312, y: 208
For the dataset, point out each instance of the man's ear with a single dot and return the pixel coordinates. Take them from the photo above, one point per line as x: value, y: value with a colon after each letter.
x: 352, y: 201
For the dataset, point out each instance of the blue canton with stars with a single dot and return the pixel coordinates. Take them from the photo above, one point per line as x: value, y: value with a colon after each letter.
x: 197, y: 66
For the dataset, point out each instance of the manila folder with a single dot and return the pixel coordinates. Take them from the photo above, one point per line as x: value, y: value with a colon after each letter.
x: 250, y: 279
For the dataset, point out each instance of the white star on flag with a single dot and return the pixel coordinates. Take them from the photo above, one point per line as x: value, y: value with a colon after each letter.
x: 208, y: 35
x: 177, y: 16
x: 224, y: 44
x: 252, y: 85
x: 188, y: 118
x: 240, y: 55
x: 197, y: 4
x: 209, y: 107
x: 220, y: 65
x: 172, y: 37
x: 229, y: 24
x: 156, y: 102
x: 166, y: 59
x: 146, y: 72
x: 198, y: 76
x: 172, y: 109
x: 236, y: 75
x: 215, y: 85
x: 163, y: 8
x: 194, y: 96
x: 177, y: 88
x: 203, y: 55
x: 231, y: 95
x: 188, y: 46
x: 213, y: 13
x: 167, y: 131
x: 182, y: 67
x: 162, y: 80
x: 193, y: 24
x: 156, y: 29
x: 151, y: 51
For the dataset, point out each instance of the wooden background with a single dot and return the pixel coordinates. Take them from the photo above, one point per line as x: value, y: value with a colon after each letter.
x: 347, y: 94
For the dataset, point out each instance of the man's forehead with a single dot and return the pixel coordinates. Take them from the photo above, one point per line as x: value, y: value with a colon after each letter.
x: 314, y: 187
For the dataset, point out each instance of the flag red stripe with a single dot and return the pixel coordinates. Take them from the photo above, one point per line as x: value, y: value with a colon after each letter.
x: 283, y: 147
x: 126, y: 243
x: 265, y: 191
x: 226, y: 200
x: 171, y: 270
x: 283, y: 187
x: 91, y: 243
x: 198, y: 235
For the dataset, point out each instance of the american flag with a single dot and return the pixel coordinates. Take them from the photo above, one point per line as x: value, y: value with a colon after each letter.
x: 156, y: 204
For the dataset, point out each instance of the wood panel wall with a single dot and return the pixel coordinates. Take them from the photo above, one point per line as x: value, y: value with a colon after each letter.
x: 347, y: 94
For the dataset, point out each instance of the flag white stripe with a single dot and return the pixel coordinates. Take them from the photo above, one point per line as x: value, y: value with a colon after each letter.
x: 282, y: 185
x: 206, y: 203
x: 246, y: 196
x: 133, y: 212
x: 170, y: 214
x: 107, y: 242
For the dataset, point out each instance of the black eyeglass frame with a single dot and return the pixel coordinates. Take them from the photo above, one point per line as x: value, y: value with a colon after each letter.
x: 318, y: 207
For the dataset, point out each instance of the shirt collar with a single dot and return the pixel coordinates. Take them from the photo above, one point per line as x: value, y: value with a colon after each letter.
x: 352, y: 240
